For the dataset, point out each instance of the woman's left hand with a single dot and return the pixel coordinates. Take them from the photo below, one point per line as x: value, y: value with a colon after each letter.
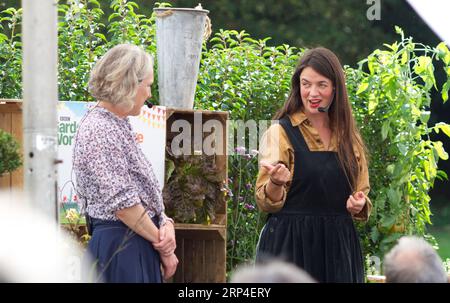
x: 167, y: 243
x: 356, y: 202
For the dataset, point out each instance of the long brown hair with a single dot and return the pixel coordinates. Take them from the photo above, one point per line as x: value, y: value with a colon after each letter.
x: 342, y: 123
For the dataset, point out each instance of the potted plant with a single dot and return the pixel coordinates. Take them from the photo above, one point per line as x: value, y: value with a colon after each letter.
x: 194, y: 188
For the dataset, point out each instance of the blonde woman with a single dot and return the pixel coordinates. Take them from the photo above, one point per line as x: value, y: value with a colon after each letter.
x: 131, y: 235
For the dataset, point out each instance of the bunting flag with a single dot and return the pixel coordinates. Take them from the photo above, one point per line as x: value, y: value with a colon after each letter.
x: 153, y: 117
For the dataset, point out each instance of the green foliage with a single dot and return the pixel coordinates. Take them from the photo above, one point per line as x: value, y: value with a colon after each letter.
x: 10, y: 54
x: 9, y: 153
x: 82, y: 40
x: 244, y: 219
x: 244, y: 76
x: 391, y: 95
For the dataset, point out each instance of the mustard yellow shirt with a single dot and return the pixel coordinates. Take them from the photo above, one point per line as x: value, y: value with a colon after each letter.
x: 277, y: 148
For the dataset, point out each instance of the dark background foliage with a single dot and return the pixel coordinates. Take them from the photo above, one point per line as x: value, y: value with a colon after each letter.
x: 340, y: 25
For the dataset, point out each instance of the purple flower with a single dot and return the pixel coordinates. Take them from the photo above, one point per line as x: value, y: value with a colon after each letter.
x: 248, y: 186
x: 240, y: 150
x: 241, y: 198
x: 249, y: 206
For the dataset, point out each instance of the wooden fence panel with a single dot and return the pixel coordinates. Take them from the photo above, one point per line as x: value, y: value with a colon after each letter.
x: 11, y: 122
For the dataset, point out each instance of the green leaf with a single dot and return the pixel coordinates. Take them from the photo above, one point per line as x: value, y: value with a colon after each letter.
x: 385, y: 129
x: 404, y: 58
x: 445, y: 89
x: 425, y: 116
x: 390, y: 168
x: 371, y: 64
x: 444, y: 127
x: 101, y: 36
x: 373, y: 103
x: 388, y: 221
x: 443, y: 52
x: 438, y: 146
x: 441, y: 175
x: 94, y: 2
x: 112, y: 16
x: 363, y: 86
x: 425, y: 69
x: 398, y: 30
x: 394, y: 196
x: 393, y: 47
x: 374, y: 234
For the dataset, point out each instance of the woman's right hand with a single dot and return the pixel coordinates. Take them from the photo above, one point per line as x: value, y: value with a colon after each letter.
x: 169, y: 265
x: 167, y: 243
x: 279, y: 174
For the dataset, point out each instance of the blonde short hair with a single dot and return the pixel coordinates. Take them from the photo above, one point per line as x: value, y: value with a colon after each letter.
x: 116, y: 76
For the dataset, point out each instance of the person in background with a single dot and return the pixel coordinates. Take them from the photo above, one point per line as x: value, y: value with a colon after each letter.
x: 34, y: 248
x: 274, y: 271
x: 413, y: 260
x: 313, y: 179
x: 131, y: 235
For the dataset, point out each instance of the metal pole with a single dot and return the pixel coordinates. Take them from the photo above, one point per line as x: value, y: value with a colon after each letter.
x: 40, y: 93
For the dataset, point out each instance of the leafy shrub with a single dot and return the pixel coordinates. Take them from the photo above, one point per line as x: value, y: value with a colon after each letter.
x: 9, y: 153
x: 194, y: 188
x: 390, y: 94
x: 11, y: 54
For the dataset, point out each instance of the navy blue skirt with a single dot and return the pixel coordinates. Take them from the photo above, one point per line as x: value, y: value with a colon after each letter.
x: 119, y: 255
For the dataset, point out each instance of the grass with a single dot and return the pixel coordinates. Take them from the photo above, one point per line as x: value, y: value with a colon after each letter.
x: 442, y: 235
x: 441, y: 225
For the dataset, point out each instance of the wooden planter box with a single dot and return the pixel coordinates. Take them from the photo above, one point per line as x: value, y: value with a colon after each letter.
x: 201, y: 248
x: 11, y: 122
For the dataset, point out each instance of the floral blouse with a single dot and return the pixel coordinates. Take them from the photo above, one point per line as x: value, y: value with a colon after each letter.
x: 111, y: 170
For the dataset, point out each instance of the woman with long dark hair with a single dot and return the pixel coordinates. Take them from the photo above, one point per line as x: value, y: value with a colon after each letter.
x: 313, y: 179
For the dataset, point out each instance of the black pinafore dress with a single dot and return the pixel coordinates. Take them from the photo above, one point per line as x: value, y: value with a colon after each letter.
x: 314, y: 230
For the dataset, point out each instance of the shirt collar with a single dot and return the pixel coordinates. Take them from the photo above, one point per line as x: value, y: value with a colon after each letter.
x: 112, y: 115
x: 298, y: 118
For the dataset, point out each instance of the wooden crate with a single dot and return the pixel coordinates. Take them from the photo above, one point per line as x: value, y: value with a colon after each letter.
x: 11, y: 122
x: 201, y: 248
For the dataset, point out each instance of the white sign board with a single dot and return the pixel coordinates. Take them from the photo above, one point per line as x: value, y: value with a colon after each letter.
x: 149, y: 126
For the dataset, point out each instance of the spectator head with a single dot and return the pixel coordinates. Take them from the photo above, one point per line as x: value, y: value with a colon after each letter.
x: 33, y: 248
x: 274, y: 271
x: 413, y: 260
